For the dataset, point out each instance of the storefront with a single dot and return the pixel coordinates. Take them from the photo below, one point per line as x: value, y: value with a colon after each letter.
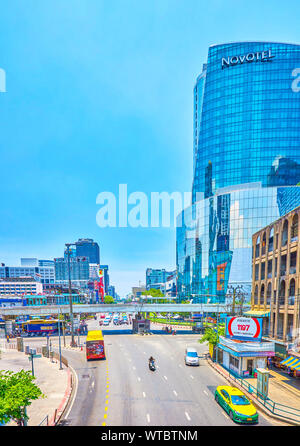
x: 243, y: 358
x: 292, y: 363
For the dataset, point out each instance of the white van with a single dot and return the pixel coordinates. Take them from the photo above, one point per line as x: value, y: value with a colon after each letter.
x: 191, y: 356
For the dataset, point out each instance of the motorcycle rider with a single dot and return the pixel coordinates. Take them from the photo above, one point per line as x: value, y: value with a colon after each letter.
x: 151, y: 360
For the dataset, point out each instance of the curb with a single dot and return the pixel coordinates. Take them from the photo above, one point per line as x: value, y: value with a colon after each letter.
x: 256, y: 403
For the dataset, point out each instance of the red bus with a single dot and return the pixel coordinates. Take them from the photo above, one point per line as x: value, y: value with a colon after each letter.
x: 95, y: 345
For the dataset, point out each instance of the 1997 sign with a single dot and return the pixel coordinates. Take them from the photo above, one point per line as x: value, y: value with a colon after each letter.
x: 243, y: 327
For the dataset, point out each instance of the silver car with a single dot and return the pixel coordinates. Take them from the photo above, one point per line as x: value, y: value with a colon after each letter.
x: 191, y: 356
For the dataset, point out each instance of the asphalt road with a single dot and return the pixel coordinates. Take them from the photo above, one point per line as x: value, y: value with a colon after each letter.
x: 122, y: 391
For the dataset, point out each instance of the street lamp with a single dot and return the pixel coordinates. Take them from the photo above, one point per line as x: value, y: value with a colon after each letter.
x: 73, y: 344
x: 59, y: 342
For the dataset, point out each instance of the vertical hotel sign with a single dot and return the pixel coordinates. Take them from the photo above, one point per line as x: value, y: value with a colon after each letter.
x: 101, y: 283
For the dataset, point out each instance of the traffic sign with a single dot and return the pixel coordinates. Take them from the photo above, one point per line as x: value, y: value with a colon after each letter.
x: 34, y: 356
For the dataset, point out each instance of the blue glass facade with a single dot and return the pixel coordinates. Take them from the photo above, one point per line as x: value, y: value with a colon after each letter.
x: 246, y: 163
x: 246, y: 117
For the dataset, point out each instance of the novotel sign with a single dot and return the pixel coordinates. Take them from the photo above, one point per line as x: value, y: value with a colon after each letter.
x: 260, y: 56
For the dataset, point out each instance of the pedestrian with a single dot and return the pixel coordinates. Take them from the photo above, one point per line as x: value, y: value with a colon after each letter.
x: 7, y: 338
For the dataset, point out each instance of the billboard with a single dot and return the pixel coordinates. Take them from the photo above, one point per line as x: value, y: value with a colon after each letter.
x: 243, y: 328
x: 101, y: 284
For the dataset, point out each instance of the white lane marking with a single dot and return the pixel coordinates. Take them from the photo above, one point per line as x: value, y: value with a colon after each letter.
x: 225, y: 415
x: 139, y: 378
x: 180, y: 365
x: 187, y: 415
x: 148, y: 418
x: 192, y: 376
x: 165, y: 377
x: 175, y: 393
x: 134, y: 368
x: 93, y: 384
x: 144, y: 395
x: 204, y: 391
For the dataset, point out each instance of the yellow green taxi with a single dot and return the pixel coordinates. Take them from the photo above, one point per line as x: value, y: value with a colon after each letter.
x: 237, y: 405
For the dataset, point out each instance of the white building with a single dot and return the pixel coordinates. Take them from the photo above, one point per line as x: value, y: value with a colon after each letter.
x: 20, y: 286
x: 41, y: 270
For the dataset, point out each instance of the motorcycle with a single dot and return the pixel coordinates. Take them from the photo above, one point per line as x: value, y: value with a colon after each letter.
x: 152, y: 366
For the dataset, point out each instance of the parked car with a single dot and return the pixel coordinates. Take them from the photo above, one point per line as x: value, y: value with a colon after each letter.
x: 191, y: 356
x: 236, y: 404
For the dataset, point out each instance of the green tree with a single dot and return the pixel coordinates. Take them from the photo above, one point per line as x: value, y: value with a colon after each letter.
x: 17, y: 391
x: 153, y: 292
x: 108, y: 299
x: 212, y: 336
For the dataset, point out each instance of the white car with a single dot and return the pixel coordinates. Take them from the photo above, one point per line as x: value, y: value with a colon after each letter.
x: 191, y: 356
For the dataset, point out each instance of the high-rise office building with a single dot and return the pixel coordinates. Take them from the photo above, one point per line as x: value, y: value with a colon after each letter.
x: 156, y: 278
x: 246, y: 163
x: 86, y: 247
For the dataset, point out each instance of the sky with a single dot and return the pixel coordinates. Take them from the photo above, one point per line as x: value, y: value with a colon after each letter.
x: 100, y: 93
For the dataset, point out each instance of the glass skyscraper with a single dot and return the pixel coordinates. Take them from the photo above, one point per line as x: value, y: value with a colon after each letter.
x: 246, y: 163
x: 86, y: 247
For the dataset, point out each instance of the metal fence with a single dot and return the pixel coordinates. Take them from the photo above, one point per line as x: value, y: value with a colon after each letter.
x: 278, y: 409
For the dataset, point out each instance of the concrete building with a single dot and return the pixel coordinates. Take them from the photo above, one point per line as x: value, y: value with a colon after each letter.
x: 156, y: 277
x: 275, y: 280
x: 79, y: 271
x: 41, y: 270
x: 137, y: 291
x: 20, y: 286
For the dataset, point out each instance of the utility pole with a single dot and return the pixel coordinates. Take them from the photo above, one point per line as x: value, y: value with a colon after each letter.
x: 70, y: 296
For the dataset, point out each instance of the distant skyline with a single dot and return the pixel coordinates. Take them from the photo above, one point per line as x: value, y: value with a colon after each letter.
x: 101, y: 94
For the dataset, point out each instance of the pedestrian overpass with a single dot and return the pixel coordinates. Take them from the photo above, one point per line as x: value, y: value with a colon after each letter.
x: 133, y: 307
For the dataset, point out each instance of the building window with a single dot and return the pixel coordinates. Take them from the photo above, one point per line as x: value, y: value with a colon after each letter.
x: 262, y: 294
x: 294, y: 229
x: 257, y: 247
x: 284, y: 235
x: 263, y: 246
x: 269, y: 293
x: 283, y: 265
x: 269, y: 269
x: 256, y: 271
x: 256, y: 295
x: 271, y: 240
x: 282, y: 293
x: 233, y: 362
x: 262, y: 270
x: 293, y: 262
x: 292, y: 292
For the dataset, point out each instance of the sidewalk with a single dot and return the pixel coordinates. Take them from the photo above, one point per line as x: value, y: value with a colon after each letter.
x: 279, y: 392
x: 53, y: 382
x: 282, y: 388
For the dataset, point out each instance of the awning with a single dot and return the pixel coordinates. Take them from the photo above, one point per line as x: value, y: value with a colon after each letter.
x: 292, y: 362
x: 257, y: 313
